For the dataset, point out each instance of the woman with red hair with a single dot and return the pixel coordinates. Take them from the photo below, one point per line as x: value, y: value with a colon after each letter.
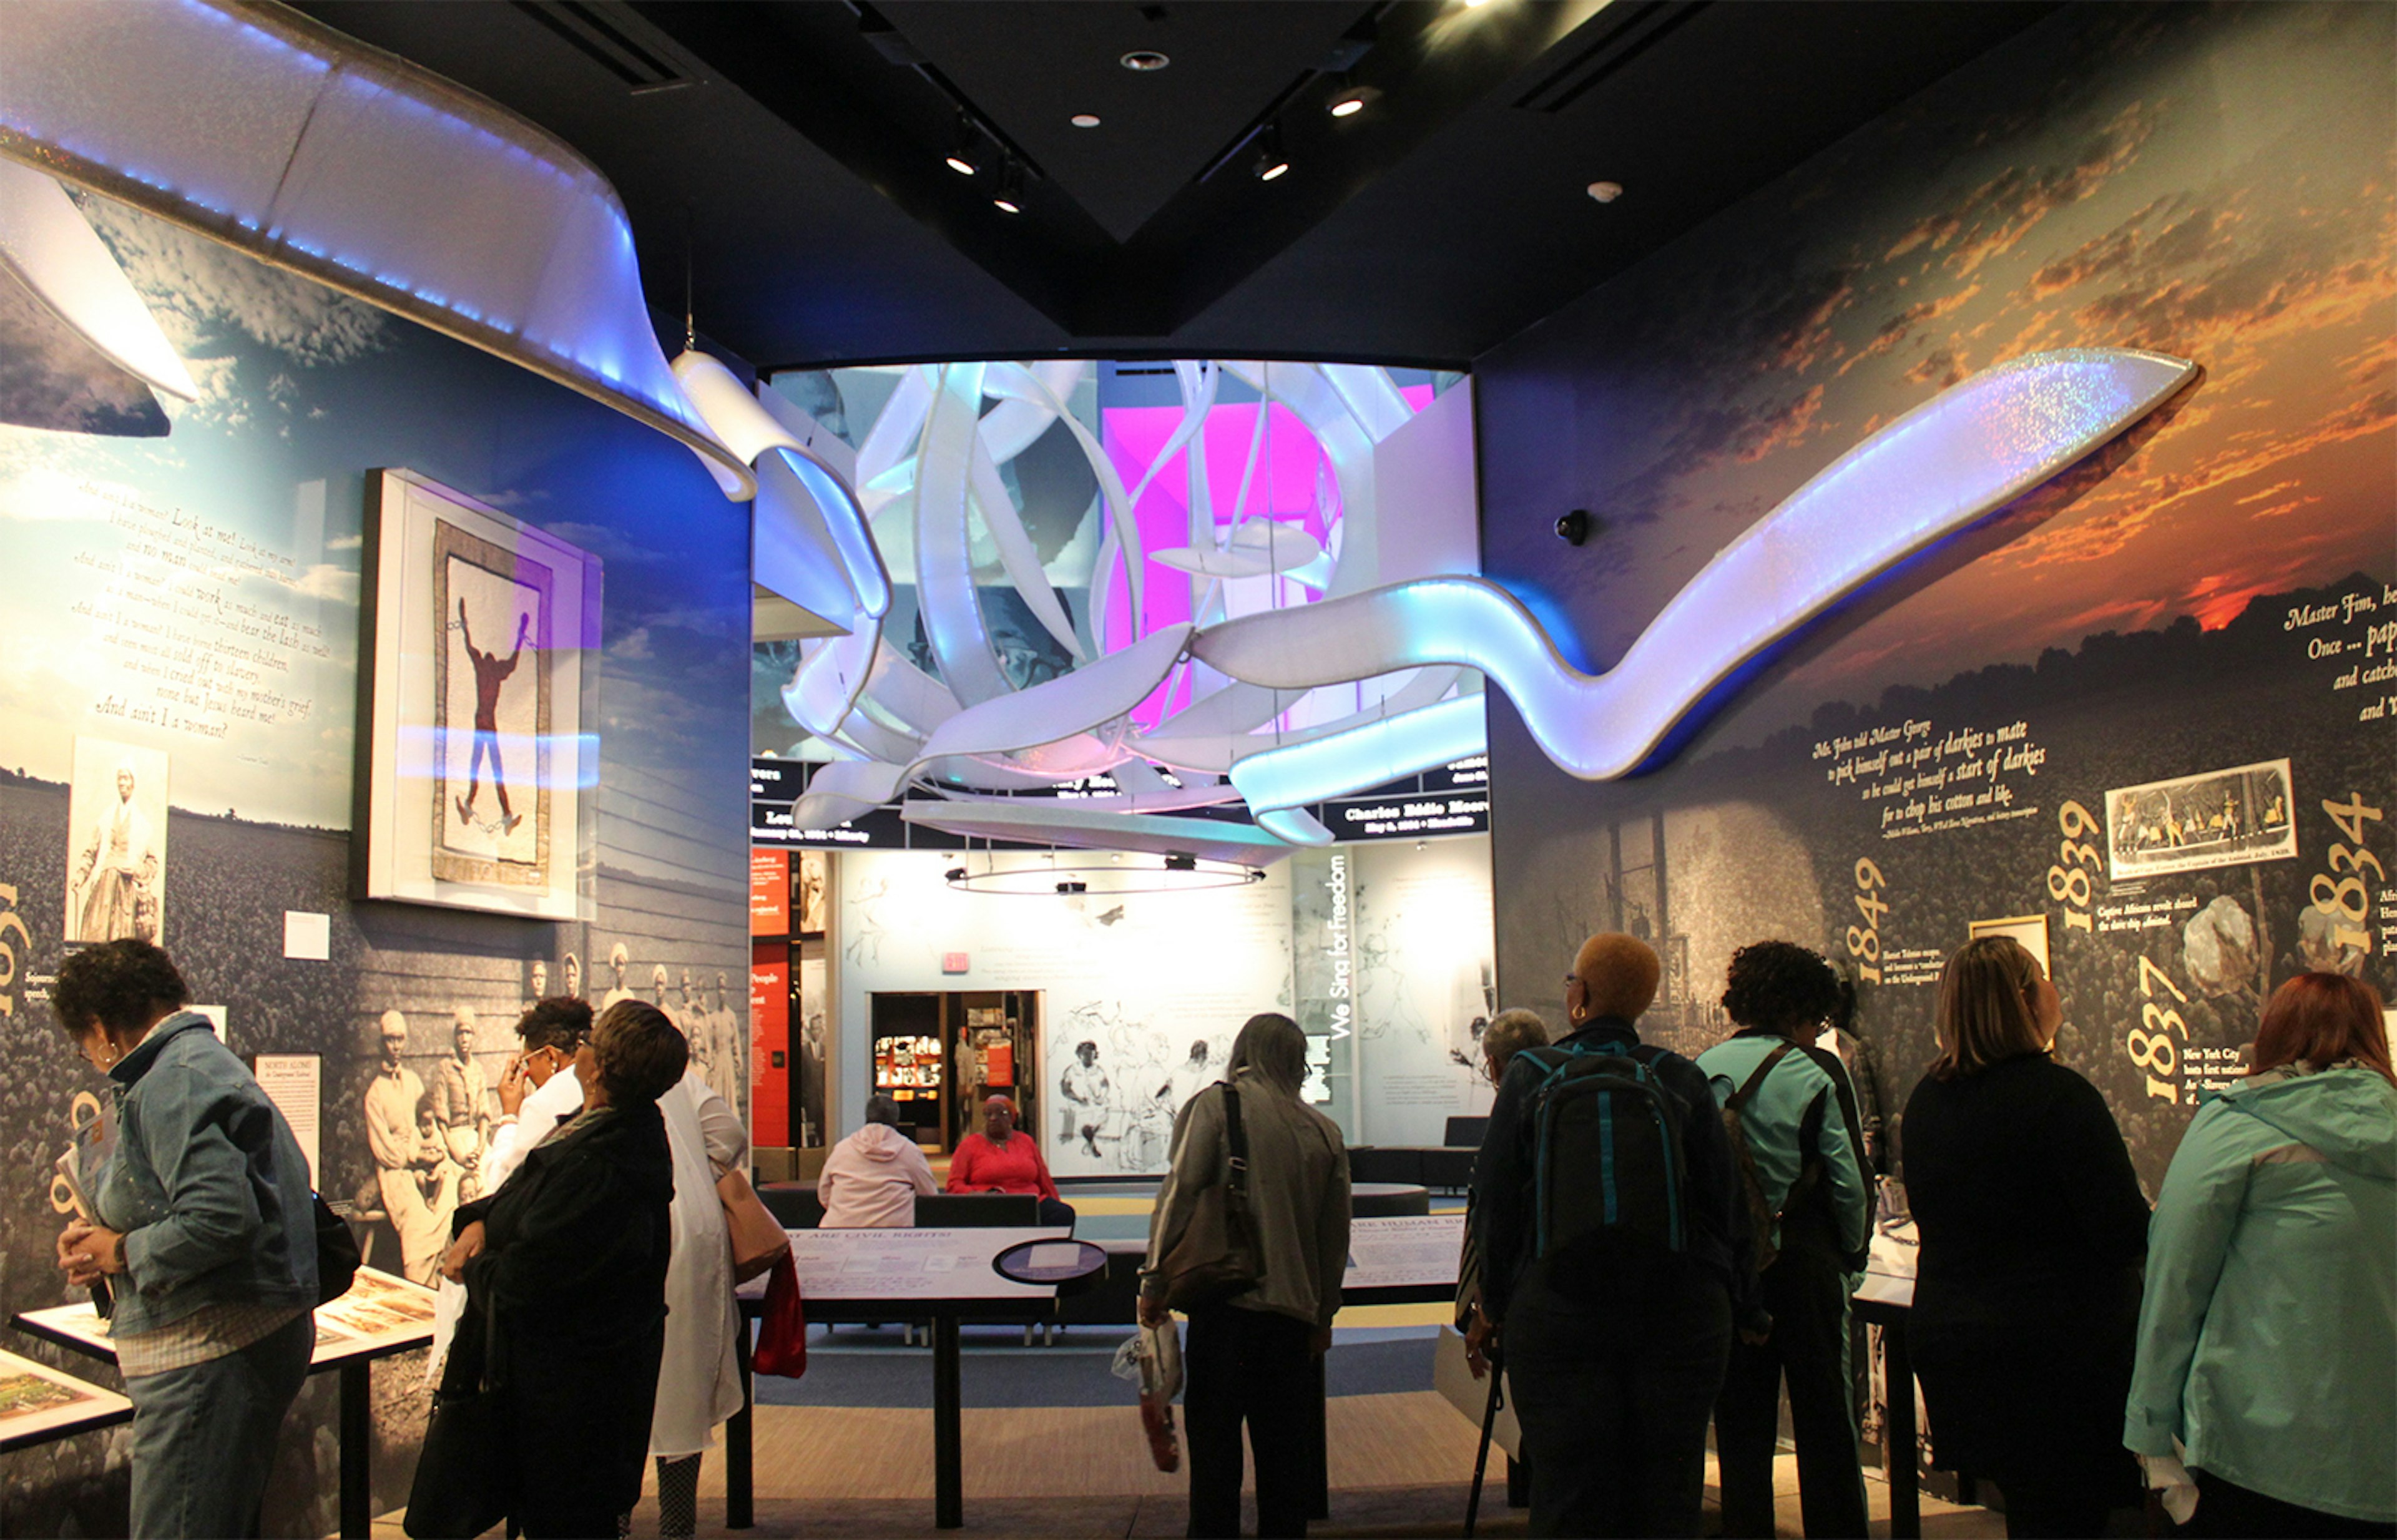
x: 2268, y: 1335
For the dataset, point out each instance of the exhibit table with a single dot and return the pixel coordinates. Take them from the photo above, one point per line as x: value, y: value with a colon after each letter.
x: 38, y: 1403
x: 381, y: 1315
x: 946, y: 1276
x: 1885, y: 1301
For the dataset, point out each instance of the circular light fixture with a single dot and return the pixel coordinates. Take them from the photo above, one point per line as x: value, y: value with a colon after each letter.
x: 1606, y: 192
x: 1046, y: 882
x: 1009, y: 199
x: 965, y: 148
x: 1271, y: 162
x: 958, y: 164
x: 1353, y: 100
x: 1144, y: 61
x: 1084, y: 120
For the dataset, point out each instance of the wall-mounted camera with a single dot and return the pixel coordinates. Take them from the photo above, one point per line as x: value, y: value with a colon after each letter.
x: 1575, y: 527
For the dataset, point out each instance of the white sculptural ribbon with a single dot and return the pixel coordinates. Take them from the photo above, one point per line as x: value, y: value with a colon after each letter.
x: 1923, y: 479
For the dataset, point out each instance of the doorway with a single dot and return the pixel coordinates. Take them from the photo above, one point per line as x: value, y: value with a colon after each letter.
x: 938, y: 1054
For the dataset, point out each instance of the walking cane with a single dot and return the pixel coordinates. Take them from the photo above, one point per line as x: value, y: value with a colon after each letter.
x: 1481, y: 1457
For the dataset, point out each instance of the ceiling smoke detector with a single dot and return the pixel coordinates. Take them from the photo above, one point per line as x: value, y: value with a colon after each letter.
x: 1144, y: 61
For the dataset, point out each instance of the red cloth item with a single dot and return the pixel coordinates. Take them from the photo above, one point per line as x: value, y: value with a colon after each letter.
x: 782, y: 1338
x: 981, y: 1166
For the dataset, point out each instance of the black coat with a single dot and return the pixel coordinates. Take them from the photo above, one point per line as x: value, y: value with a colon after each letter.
x: 574, y: 1266
x: 2026, y: 1298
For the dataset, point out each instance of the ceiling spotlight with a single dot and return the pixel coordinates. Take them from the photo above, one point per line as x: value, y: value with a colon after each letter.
x: 955, y: 874
x: 1180, y: 860
x: 1271, y: 162
x: 1084, y: 120
x: 1073, y: 887
x: 965, y: 150
x: 1144, y: 61
x: 1606, y: 192
x: 1009, y: 199
x: 1352, y: 100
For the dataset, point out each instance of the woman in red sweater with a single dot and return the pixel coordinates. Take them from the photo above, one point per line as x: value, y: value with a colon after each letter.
x: 1000, y: 1159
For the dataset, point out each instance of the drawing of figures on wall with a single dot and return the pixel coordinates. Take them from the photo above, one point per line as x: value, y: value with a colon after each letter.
x: 1083, y: 1092
x: 116, y: 856
x: 1122, y: 1085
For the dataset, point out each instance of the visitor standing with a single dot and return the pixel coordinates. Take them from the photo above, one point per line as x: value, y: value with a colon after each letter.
x: 1801, y: 1153
x: 2268, y: 1337
x: 206, y: 1228
x: 1614, y: 1334
x: 2026, y: 1290
x: 1249, y: 1355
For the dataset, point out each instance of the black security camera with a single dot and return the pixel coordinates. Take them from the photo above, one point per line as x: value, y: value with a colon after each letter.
x: 1575, y: 527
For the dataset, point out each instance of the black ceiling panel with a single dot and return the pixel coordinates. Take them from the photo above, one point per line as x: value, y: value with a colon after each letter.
x: 794, y: 148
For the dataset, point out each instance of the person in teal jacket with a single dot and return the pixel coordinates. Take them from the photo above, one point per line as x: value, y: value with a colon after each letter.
x: 1813, y: 1200
x: 2268, y: 1332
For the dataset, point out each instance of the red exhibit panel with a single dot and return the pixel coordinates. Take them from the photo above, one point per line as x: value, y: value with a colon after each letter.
x: 769, y: 1026
x: 769, y: 892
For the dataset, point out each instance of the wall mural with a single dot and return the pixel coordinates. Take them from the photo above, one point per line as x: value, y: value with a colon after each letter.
x: 180, y: 616
x: 2147, y: 714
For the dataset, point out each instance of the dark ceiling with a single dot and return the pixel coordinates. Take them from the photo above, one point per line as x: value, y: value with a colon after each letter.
x: 795, y: 148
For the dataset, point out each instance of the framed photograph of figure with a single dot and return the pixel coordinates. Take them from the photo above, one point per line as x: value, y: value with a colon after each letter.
x: 116, y: 843
x: 479, y: 652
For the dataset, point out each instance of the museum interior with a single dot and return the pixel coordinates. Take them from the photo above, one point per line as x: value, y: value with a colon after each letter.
x: 961, y: 555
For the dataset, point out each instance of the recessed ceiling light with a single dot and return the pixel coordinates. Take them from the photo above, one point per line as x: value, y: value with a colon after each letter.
x: 1606, y: 192
x: 958, y: 164
x: 1144, y: 61
x: 965, y: 148
x: 1084, y: 120
x: 1352, y: 100
x: 1011, y: 189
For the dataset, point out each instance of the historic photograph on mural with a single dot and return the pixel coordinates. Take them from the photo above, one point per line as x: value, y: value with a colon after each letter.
x: 477, y: 753
x: 2220, y: 818
x: 116, y: 853
x: 809, y: 887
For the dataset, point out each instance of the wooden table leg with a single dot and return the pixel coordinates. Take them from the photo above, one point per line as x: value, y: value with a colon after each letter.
x: 358, y: 1450
x: 949, y: 1440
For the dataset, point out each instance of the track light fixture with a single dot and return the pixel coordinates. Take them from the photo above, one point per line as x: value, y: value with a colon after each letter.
x: 1010, y: 197
x: 1271, y: 162
x: 1349, y: 100
x: 965, y: 151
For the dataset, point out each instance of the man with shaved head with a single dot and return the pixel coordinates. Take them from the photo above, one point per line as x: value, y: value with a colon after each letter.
x: 1610, y: 1284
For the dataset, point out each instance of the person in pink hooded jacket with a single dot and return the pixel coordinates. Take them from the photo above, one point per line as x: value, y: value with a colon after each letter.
x: 870, y: 1180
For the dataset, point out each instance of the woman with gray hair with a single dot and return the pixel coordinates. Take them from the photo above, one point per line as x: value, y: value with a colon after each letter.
x: 1509, y: 1035
x: 870, y: 1180
x: 1248, y: 1356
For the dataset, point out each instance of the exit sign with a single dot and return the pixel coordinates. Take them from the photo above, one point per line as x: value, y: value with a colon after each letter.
x: 953, y: 962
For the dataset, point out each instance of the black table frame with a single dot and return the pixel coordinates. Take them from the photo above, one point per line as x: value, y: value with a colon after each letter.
x: 1899, y: 1457
x: 356, y: 1414
x: 948, y: 1400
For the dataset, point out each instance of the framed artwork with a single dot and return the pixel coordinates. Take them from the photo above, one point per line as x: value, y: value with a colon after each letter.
x: 479, y: 640
x: 2029, y: 929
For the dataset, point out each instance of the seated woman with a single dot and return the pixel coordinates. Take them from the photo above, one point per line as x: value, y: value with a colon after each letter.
x: 999, y: 1159
x: 571, y: 1257
x: 870, y: 1180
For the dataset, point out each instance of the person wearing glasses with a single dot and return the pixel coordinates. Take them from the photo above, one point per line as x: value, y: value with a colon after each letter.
x: 205, y: 1229
x: 538, y: 1090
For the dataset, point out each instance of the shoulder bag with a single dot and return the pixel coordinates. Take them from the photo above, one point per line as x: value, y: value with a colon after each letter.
x: 464, y: 1472
x: 759, y: 1238
x: 1217, y: 1255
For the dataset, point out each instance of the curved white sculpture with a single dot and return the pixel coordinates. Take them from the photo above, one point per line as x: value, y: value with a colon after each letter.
x: 308, y: 150
x: 47, y: 246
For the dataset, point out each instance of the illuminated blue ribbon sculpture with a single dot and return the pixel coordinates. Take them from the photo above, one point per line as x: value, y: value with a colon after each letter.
x: 1924, y: 479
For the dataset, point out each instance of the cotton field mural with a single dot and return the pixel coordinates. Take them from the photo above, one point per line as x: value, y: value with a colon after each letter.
x: 2148, y: 720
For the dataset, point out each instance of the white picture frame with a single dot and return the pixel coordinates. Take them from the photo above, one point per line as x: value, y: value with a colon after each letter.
x: 479, y: 640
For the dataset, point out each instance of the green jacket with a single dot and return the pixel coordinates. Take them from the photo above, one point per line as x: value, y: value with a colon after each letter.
x: 2268, y: 1335
x: 1804, y: 1114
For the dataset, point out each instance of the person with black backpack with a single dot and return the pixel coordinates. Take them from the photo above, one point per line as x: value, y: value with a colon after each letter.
x: 1790, y: 1113
x: 1609, y: 1252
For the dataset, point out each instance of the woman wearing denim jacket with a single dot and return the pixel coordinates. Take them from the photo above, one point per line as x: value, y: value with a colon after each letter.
x: 206, y: 1232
